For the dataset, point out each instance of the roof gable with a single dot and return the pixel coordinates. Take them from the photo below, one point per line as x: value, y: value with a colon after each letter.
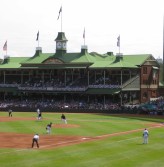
x: 53, y: 61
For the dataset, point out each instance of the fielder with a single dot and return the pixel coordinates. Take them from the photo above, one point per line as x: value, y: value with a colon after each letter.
x: 48, y: 128
x: 10, y: 113
x: 39, y: 114
x: 63, y: 118
x: 145, y: 136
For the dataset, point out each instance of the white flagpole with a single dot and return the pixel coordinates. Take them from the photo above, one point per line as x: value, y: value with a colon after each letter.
x: 38, y: 42
x: 119, y: 49
x: 6, y: 52
x: 5, y: 47
x: 37, y: 38
x: 61, y: 18
x: 84, y: 36
x: 163, y: 47
x: 118, y: 43
x: 60, y: 15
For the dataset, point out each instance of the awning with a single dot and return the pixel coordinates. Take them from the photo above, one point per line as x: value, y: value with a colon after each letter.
x: 156, y: 68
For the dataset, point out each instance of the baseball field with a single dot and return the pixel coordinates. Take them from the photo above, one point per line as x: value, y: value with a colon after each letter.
x: 95, y: 140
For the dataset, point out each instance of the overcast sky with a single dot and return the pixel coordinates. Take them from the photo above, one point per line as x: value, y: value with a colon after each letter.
x: 138, y: 22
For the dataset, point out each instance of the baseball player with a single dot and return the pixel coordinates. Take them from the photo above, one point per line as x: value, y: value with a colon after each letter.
x: 35, y: 140
x: 48, y: 128
x: 145, y: 136
x: 39, y: 114
x: 10, y: 113
x: 63, y: 118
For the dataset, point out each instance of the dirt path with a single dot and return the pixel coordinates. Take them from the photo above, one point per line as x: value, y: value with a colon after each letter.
x: 23, y: 141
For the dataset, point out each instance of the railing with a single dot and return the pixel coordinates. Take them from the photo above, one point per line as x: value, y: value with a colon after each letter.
x: 59, y: 88
x: 9, y: 85
x: 68, y: 89
x: 104, y: 86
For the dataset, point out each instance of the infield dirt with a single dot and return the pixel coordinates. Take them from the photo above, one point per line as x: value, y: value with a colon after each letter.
x: 48, y: 141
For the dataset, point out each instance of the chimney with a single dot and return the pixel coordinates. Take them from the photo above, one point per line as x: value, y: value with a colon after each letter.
x: 110, y: 53
x: 119, y: 56
x: 84, y: 49
x: 38, y: 50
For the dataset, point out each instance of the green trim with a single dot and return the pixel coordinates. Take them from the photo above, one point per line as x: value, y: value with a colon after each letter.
x: 103, y: 91
x: 8, y: 89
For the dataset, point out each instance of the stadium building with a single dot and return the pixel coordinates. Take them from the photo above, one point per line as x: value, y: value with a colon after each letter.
x: 79, y: 79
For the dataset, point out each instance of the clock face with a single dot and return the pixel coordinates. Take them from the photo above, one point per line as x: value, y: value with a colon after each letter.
x: 59, y: 44
x: 64, y: 45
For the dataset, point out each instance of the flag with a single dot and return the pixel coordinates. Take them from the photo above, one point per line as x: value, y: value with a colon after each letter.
x: 5, y: 46
x: 59, y: 12
x: 37, y: 38
x: 118, y: 41
x: 84, y: 33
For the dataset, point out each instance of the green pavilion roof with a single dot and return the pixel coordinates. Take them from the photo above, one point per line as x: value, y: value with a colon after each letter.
x: 12, y: 62
x: 38, y: 58
x: 126, y: 61
x: 75, y: 60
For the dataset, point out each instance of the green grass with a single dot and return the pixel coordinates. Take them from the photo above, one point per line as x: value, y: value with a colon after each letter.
x: 124, y: 150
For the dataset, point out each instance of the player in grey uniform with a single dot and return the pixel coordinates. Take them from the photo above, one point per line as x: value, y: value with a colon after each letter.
x: 10, y: 113
x: 145, y: 136
x: 48, y: 128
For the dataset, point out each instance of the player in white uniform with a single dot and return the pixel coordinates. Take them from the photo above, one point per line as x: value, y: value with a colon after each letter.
x: 39, y: 114
x: 145, y: 136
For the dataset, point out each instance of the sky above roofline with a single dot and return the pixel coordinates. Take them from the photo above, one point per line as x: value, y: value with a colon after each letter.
x: 138, y: 22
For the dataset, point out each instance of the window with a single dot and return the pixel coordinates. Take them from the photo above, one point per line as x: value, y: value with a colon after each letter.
x: 153, y: 93
x: 144, y: 70
x: 145, y: 81
x: 145, y: 95
x: 154, y: 82
x: 154, y: 74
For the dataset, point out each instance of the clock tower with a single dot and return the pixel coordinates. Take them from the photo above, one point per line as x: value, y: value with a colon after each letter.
x: 61, y: 43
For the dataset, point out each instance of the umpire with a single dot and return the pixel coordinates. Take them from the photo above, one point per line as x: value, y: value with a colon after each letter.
x: 35, y: 140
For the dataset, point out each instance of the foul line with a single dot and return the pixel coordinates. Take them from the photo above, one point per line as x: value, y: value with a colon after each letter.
x: 89, y: 139
x: 130, y: 131
x: 37, y: 149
